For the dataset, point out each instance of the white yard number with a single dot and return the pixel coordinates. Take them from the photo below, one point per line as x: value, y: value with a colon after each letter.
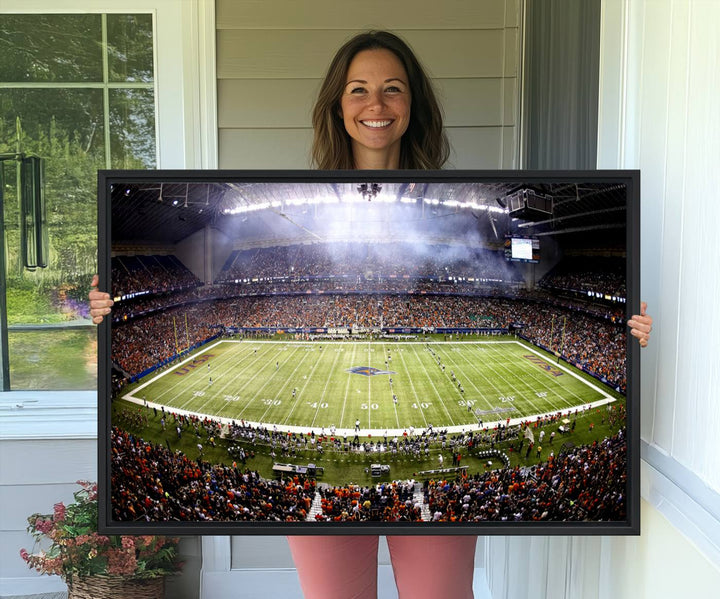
x: 198, y: 393
x: 272, y: 402
x: 469, y: 402
x: 541, y: 394
x: 507, y: 398
x: 424, y: 405
x: 373, y: 406
x: 232, y: 398
x: 315, y: 405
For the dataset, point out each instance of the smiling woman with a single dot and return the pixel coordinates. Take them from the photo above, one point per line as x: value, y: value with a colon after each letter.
x: 375, y: 78
x: 375, y: 108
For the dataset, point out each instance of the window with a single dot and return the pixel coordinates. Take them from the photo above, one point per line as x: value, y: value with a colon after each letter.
x: 77, y: 90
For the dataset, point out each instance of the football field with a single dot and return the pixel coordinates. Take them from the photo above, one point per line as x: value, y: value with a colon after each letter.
x: 385, y: 385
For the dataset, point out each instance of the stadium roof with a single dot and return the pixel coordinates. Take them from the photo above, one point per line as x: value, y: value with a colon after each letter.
x: 166, y: 213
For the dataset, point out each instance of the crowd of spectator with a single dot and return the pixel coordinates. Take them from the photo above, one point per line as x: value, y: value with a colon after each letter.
x: 144, y: 342
x: 150, y: 482
x: 396, y: 259
x: 583, y: 483
x: 390, y: 267
x: 605, y: 275
x: 154, y: 274
x: 384, y: 502
x: 596, y: 344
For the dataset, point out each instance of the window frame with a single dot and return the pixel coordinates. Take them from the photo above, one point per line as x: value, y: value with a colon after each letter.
x: 186, y: 137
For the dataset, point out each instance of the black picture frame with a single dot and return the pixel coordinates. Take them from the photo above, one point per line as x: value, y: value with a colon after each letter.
x: 139, y: 211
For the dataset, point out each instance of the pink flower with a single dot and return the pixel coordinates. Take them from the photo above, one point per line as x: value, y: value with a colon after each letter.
x: 25, y: 555
x: 59, y: 512
x: 43, y: 526
x: 147, y: 540
x: 53, y: 565
x: 128, y: 543
x: 121, y: 562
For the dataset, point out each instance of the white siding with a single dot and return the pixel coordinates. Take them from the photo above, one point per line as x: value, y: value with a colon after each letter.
x: 271, y: 58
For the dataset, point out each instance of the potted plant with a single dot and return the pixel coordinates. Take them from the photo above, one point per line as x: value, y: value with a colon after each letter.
x: 94, y: 566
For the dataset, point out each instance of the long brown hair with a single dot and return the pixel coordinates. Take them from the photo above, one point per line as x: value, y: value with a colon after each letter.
x: 424, y: 144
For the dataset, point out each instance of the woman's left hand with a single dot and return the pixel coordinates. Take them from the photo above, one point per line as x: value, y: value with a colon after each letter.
x: 641, y: 325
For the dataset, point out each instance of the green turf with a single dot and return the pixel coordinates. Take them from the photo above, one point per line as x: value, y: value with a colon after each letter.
x: 254, y: 381
x: 342, y: 467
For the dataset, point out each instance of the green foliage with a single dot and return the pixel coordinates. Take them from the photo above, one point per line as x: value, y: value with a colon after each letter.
x: 27, y: 304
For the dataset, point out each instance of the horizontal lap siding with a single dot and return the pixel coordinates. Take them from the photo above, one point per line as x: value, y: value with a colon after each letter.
x: 349, y: 14
x: 36, y: 474
x: 271, y: 58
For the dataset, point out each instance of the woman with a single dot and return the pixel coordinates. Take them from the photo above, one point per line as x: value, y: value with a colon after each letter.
x: 377, y: 110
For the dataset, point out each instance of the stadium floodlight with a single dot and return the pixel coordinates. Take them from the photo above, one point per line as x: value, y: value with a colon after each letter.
x: 528, y: 204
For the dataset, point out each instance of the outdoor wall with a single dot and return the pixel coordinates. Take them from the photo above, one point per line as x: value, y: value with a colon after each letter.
x: 659, y: 83
x: 271, y: 57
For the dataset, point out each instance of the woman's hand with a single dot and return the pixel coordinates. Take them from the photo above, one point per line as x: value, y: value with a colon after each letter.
x: 641, y: 325
x: 100, y: 302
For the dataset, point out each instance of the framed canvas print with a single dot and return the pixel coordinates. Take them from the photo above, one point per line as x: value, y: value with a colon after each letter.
x: 380, y: 352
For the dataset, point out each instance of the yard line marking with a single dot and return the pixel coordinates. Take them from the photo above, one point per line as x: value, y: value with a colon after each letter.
x: 347, y: 388
x: 230, y: 375
x: 392, y: 391
x: 557, y: 389
x: 437, y: 393
x: 417, y: 399
x: 479, y: 372
x: 286, y: 382
x: 327, y: 382
x: 196, y: 378
x: 455, y: 388
x: 369, y: 390
x: 569, y: 371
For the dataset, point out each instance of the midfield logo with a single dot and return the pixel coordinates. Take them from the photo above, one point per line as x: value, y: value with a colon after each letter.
x: 368, y: 371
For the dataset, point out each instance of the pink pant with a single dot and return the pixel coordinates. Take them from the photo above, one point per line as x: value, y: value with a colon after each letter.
x: 337, y: 567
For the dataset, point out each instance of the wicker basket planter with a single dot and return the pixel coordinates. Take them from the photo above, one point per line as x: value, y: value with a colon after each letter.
x: 116, y: 587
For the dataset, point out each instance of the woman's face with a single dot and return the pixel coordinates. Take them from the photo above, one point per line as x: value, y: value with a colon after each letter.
x: 375, y: 107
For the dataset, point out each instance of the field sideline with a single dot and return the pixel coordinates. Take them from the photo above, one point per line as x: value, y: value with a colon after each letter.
x: 299, y: 386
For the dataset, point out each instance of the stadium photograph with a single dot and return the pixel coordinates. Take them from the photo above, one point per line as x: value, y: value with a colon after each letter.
x: 383, y: 350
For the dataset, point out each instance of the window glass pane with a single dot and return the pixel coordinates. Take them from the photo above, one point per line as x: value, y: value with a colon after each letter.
x: 65, y: 128
x: 54, y: 359
x: 53, y: 121
x: 36, y: 48
x: 52, y: 342
x: 130, y: 47
x: 132, y: 128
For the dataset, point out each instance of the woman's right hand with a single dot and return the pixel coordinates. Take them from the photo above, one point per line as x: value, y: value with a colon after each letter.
x: 100, y: 302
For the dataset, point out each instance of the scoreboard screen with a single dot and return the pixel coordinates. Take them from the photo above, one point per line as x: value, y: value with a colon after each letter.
x: 522, y: 249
